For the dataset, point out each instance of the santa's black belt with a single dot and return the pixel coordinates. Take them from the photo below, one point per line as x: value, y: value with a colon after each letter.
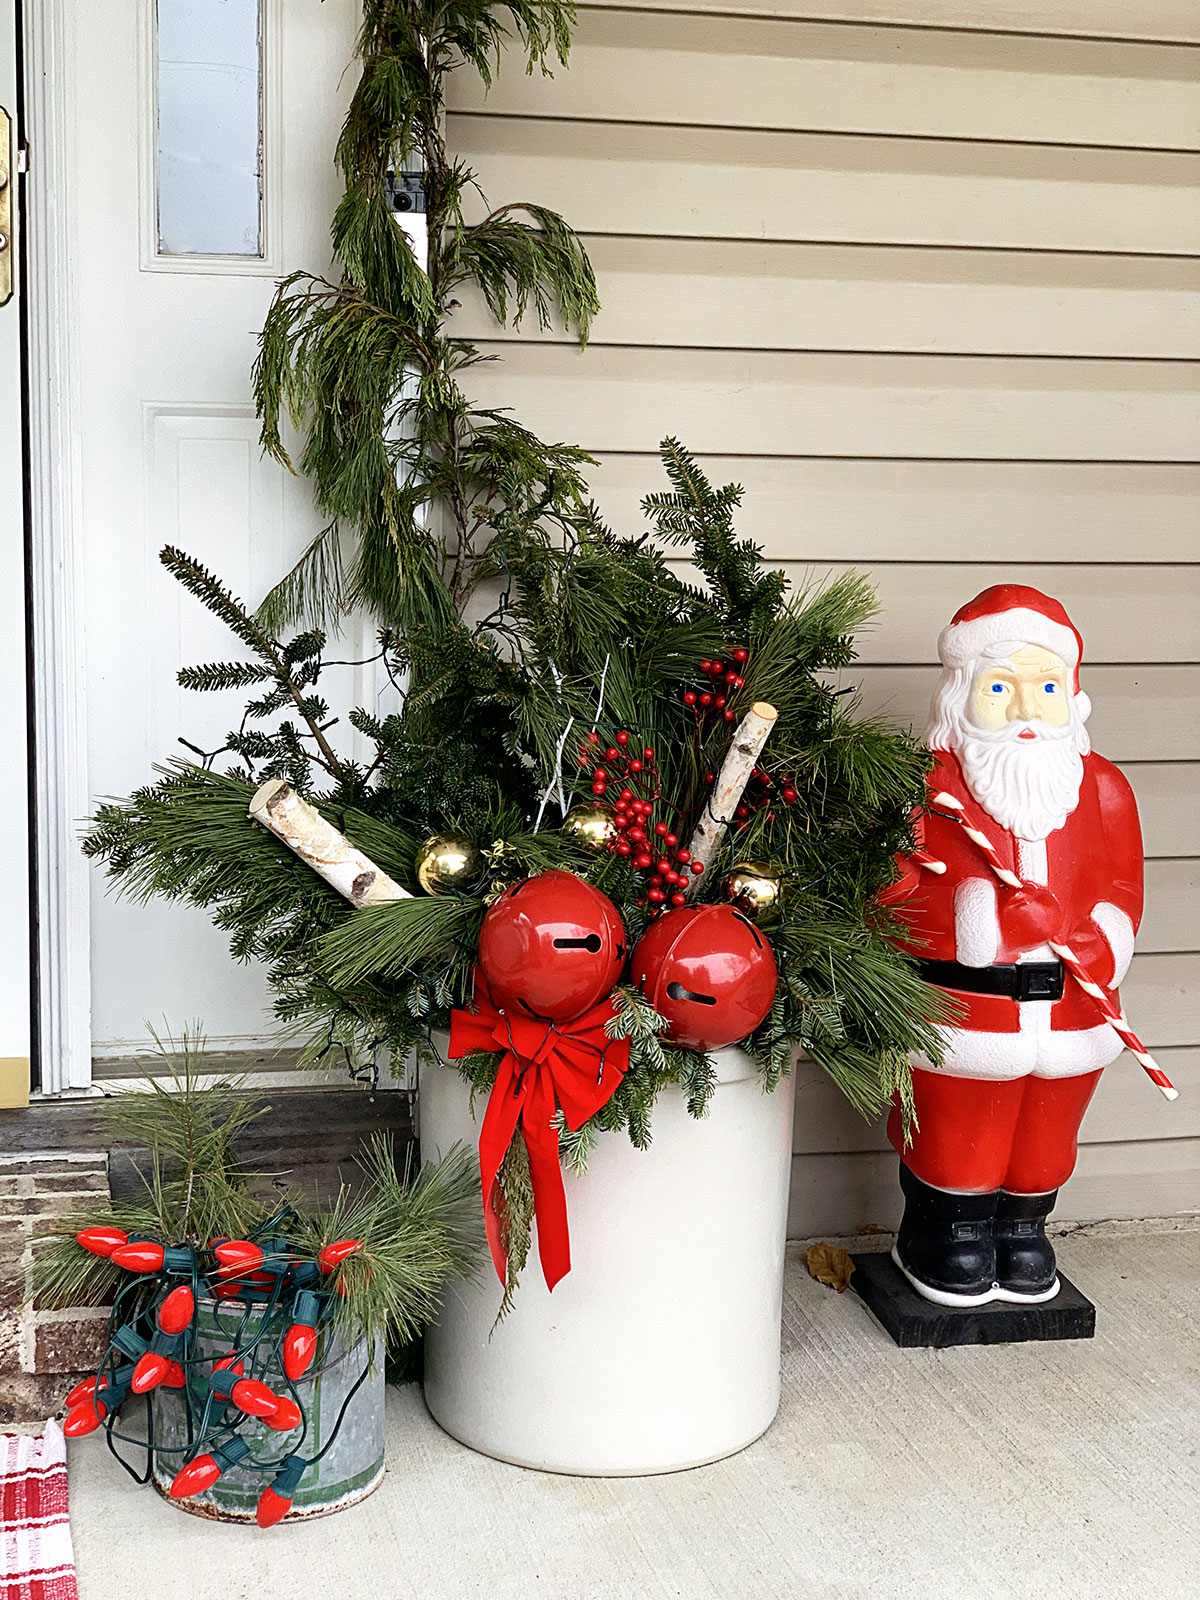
x: 1028, y: 980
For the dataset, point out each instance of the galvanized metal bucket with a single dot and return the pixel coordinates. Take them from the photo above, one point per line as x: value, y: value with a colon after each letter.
x: 346, y: 1473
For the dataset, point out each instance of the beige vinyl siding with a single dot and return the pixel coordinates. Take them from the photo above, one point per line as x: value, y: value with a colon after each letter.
x: 924, y: 278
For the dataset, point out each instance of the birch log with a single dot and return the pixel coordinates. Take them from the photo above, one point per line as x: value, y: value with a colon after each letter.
x: 329, y: 853
x: 731, y: 783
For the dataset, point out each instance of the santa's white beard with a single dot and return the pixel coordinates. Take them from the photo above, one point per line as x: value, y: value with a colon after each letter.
x: 1029, y: 786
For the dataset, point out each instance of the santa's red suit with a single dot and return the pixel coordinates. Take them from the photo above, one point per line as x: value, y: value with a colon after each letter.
x: 1002, y: 1110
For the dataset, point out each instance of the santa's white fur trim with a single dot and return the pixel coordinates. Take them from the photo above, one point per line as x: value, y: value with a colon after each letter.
x: 1037, y: 1051
x: 976, y: 923
x: 1118, y: 930
x: 961, y: 643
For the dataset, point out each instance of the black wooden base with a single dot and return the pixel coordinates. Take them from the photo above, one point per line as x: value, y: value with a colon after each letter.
x: 914, y: 1322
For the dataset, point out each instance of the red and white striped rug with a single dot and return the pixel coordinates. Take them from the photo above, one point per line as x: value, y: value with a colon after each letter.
x: 35, y: 1538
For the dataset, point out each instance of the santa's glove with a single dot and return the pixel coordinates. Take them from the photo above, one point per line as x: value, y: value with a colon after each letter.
x: 1029, y: 916
x: 1095, y: 953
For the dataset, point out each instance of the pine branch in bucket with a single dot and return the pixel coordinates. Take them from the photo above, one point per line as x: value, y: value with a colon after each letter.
x: 293, y: 1287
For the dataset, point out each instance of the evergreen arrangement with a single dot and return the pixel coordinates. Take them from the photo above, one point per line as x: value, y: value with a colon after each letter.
x: 533, y: 649
x: 414, y: 1238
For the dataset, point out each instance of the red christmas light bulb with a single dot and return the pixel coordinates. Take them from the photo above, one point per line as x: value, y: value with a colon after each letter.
x: 150, y: 1370
x: 174, y: 1377
x: 334, y: 1254
x: 236, y: 1256
x: 286, y: 1415
x: 102, y: 1241
x: 84, y: 1418
x: 198, y: 1475
x: 299, y: 1347
x: 81, y: 1392
x: 253, y: 1397
x: 177, y: 1310
x: 272, y: 1507
x: 144, y: 1255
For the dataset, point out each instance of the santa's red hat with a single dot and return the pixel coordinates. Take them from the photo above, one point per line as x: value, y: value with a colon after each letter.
x: 1010, y: 613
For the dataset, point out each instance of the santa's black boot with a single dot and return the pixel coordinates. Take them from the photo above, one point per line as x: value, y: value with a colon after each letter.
x: 944, y: 1247
x: 1025, y: 1266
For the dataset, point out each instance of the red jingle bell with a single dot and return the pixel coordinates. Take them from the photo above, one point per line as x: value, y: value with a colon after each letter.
x: 709, y: 971
x: 552, y: 947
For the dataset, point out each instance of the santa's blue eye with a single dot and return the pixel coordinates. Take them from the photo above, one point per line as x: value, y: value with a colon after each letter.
x: 997, y: 688
x: 1050, y: 688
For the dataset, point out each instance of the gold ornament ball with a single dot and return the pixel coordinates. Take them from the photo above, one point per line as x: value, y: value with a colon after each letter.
x: 592, y: 826
x: 445, y: 862
x: 753, y: 887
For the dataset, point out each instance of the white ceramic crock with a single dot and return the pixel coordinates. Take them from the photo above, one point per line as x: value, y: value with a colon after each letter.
x: 660, y: 1349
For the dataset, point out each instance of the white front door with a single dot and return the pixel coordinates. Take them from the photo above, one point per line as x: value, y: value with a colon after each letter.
x: 14, y: 770
x: 198, y: 169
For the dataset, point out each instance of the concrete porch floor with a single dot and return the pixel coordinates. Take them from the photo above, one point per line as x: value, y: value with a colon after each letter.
x: 1023, y: 1472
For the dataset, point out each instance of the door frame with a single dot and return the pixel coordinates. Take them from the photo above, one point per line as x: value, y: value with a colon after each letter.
x: 62, y: 912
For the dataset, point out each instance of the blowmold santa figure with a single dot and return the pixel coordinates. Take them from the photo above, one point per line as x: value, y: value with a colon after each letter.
x: 1016, y: 793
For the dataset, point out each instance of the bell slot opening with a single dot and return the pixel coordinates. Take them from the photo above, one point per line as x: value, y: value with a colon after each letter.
x: 676, y: 991
x: 592, y: 943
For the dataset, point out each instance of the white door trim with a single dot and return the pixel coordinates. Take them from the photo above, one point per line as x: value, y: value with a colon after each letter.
x: 56, y: 539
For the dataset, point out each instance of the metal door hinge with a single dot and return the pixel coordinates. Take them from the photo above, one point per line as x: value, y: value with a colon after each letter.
x: 6, y: 207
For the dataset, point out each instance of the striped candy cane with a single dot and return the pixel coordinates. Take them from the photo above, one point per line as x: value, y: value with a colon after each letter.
x: 930, y: 863
x: 1115, y: 1019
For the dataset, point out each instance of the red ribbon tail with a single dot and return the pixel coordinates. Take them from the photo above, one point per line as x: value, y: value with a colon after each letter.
x: 549, y: 1196
x: 499, y: 1126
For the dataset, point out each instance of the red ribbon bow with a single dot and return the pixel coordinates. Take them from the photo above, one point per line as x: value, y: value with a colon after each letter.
x: 574, y: 1066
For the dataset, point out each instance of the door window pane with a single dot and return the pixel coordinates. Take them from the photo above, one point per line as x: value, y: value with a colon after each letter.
x: 209, y: 128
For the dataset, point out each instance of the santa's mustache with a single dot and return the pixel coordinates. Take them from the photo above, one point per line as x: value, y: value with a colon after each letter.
x: 1012, y: 731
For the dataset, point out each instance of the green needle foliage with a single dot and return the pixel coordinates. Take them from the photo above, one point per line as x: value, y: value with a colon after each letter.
x: 597, y: 634
x: 423, y: 492
x: 416, y: 1237
x: 521, y: 634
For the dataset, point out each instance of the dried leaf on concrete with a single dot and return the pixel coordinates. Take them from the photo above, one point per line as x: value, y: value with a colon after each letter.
x: 830, y: 1265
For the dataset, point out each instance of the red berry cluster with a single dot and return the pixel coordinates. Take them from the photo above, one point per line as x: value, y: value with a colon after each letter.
x: 724, y: 681
x: 651, y: 846
x: 763, y: 791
